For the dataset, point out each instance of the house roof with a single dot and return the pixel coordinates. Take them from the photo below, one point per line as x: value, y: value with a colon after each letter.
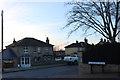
x: 80, y: 44
x: 30, y: 42
x: 8, y: 53
x: 101, y: 42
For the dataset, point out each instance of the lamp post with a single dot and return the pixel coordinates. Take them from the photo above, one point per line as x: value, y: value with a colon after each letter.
x: 2, y: 37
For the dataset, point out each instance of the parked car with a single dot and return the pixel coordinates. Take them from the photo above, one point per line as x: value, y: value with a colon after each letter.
x: 71, y: 59
x: 58, y: 59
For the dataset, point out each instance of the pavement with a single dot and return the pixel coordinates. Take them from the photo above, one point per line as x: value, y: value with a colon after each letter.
x: 16, y: 69
x: 87, y: 75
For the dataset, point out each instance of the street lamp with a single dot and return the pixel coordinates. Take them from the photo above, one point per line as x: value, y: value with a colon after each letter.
x: 2, y: 38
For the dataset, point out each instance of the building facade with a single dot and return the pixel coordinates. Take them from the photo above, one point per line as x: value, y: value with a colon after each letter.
x: 77, y: 48
x: 29, y: 51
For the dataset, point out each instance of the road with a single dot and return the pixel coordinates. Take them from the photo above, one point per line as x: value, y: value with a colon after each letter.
x: 45, y: 72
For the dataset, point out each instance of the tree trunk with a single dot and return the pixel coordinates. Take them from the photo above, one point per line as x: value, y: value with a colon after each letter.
x: 112, y: 40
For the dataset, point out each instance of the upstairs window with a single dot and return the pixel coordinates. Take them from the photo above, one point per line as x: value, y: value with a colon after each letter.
x: 38, y: 49
x: 25, y: 49
x: 46, y: 48
x: 34, y: 50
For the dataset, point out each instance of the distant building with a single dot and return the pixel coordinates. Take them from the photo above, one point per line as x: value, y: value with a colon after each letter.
x: 60, y: 53
x: 77, y: 48
x: 27, y: 52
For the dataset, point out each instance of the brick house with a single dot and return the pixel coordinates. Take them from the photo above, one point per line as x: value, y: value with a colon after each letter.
x: 28, y: 51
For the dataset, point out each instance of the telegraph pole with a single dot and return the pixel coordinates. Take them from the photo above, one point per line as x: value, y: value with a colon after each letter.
x: 2, y: 37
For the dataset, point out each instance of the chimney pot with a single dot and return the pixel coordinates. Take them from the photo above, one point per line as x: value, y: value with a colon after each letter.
x: 47, y: 40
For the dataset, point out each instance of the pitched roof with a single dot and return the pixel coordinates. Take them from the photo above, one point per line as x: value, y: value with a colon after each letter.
x: 80, y: 44
x: 30, y: 42
x: 101, y: 42
x: 8, y: 53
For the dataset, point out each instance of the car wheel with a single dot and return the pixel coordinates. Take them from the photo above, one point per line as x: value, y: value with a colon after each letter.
x: 75, y: 62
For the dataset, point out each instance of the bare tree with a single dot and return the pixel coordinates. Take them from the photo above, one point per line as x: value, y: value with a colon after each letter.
x: 102, y: 17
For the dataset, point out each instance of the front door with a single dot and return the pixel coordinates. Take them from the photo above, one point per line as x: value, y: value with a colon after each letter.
x: 25, y: 62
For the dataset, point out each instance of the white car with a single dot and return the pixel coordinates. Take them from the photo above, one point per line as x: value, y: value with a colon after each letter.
x: 58, y: 59
x: 71, y: 59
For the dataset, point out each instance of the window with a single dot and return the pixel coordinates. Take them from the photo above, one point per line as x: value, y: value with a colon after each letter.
x: 22, y: 60
x: 25, y: 49
x: 46, y: 48
x: 49, y: 58
x: 44, y: 57
x: 80, y: 49
x: 27, y: 60
x: 34, y: 50
x: 73, y: 56
x: 39, y: 49
x: 37, y: 59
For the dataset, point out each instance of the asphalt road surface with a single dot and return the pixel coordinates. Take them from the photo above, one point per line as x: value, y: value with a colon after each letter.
x: 45, y: 72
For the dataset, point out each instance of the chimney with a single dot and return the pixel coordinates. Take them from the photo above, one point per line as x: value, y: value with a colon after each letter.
x: 108, y: 41
x: 86, y: 41
x: 14, y: 41
x: 104, y: 40
x: 101, y: 40
x: 47, y: 40
x: 76, y: 41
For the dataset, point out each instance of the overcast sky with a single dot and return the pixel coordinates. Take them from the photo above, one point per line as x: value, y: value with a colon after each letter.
x: 39, y: 20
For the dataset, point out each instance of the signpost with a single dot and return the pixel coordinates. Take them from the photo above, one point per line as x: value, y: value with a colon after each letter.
x: 100, y: 63
x: 96, y: 63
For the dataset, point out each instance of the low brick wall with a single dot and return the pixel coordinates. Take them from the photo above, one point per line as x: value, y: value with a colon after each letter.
x: 86, y: 68
x: 47, y: 63
x: 83, y: 68
x: 112, y: 68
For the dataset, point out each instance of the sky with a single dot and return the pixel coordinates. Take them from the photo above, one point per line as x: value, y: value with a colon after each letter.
x: 39, y: 20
